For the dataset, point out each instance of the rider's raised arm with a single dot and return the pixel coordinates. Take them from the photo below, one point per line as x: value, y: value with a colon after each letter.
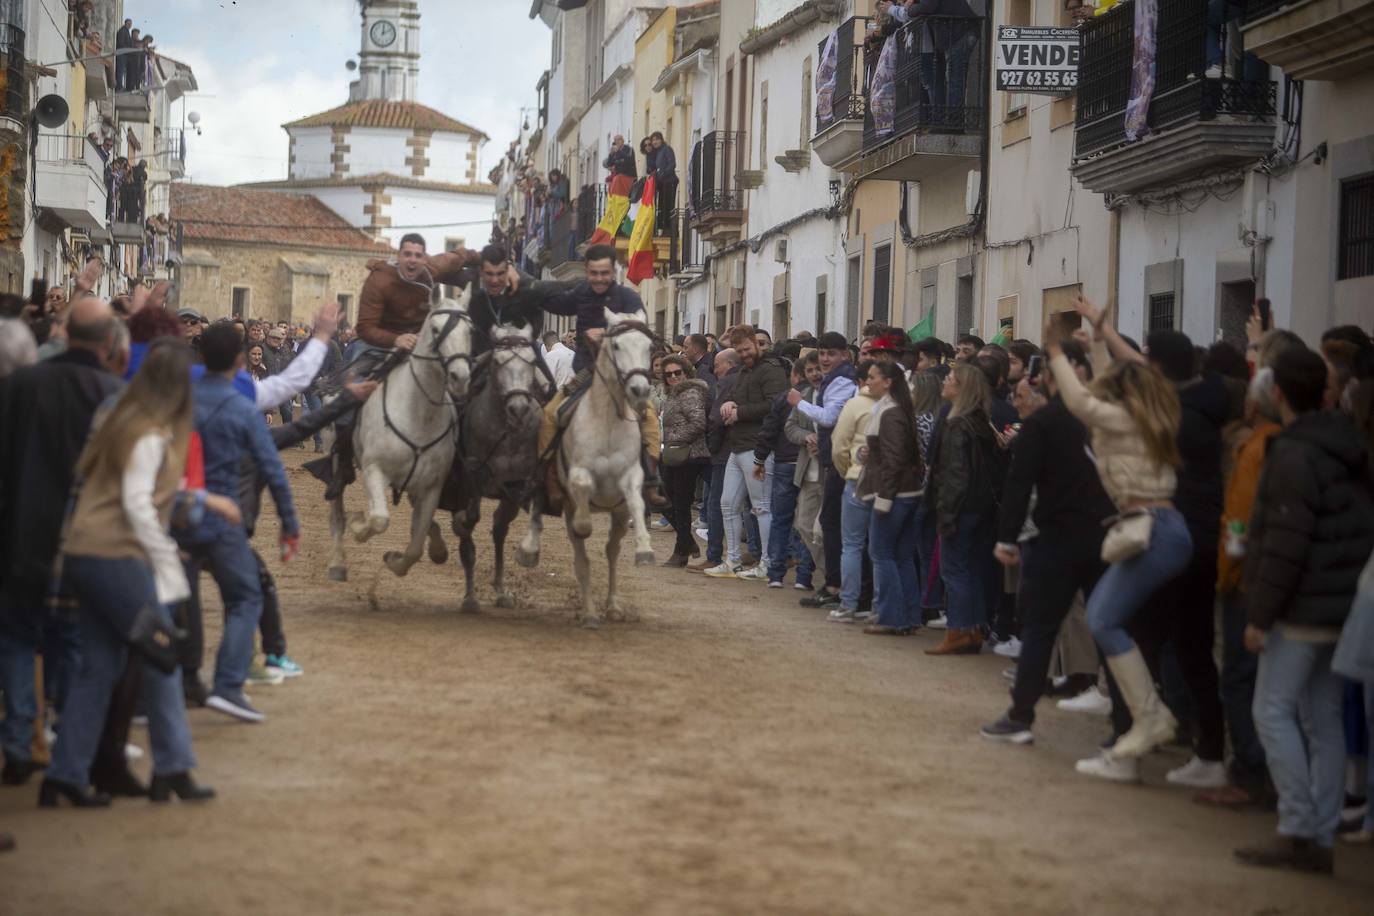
x: 447, y: 267
x: 562, y: 298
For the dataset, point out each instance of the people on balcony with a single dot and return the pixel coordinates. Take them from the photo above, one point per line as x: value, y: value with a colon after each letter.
x: 664, y: 170
x: 621, y: 160
x: 1225, y: 54
x: 124, y: 42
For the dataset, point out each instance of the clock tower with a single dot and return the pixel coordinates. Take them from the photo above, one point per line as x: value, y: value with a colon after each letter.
x: 389, y: 62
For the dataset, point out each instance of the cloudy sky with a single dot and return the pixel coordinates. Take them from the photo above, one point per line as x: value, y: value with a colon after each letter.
x: 261, y: 63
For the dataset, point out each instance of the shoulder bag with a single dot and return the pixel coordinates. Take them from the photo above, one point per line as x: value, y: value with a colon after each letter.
x: 1128, y: 535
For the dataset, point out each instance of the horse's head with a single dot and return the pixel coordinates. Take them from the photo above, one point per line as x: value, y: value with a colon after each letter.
x: 629, y: 344
x: 447, y: 339
x: 514, y: 372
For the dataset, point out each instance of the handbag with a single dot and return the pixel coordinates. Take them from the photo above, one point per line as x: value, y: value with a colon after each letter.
x: 676, y: 455
x: 1128, y: 535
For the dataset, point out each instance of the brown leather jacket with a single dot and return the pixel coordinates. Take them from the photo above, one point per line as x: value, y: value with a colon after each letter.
x: 391, y: 305
x: 894, y: 466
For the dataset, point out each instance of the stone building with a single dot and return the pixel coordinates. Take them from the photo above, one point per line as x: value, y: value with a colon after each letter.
x: 263, y: 254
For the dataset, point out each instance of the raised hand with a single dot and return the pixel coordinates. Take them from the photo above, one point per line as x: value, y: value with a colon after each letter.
x: 327, y: 320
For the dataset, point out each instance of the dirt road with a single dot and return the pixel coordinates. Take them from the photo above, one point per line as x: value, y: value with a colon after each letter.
x: 728, y: 753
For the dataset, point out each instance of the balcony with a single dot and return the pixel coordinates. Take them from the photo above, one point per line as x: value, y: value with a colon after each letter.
x: 1194, y: 123
x: 1312, y: 39
x: 69, y: 181
x: 930, y: 118
x: 840, y: 105
x: 14, y: 108
x: 714, y: 174
x: 590, y: 207
x: 686, y: 256
x: 134, y: 107
x: 174, y: 152
x: 563, y: 261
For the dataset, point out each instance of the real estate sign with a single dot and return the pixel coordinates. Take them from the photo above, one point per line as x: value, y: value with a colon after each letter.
x: 1037, y: 59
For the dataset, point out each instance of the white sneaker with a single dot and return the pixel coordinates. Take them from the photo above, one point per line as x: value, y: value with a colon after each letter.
x: 841, y: 615
x: 754, y: 573
x: 1198, y: 774
x: 1090, y: 701
x: 1009, y: 649
x: 940, y: 623
x: 701, y: 533
x: 660, y: 524
x: 724, y: 571
x: 1213, y: 72
x: 1112, y: 769
x: 865, y: 616
x: 802, y: 588
x: 133, y: 752
x: 774, y: 583
x: 1009, y: 674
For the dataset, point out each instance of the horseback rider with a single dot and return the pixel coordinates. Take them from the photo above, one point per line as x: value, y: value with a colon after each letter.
x: 588, y: 301
x: 505, y: 296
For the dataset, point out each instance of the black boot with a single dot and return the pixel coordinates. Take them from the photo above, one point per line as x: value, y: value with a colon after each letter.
x: 123, y: 784
x: 76, y: 796
x: 654, y: 499
x: 553, y: 490
x: 341, y: 466
x: 17, y: 772
x: 181, y: 785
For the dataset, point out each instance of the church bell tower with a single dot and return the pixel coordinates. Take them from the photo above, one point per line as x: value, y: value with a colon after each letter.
x: 389, y: 60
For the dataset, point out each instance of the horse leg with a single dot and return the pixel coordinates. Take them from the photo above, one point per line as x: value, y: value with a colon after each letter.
x: 631, y: 488
x: 527, y: 554
x: 438, y: 550
x: 421, y: 518
x: 338, y: 566
x: 506, y: 511
x: 378, y: 516
x: 620, y: 520
x: 579, y: 500
x: 467, y: 552
x: 589, y: 618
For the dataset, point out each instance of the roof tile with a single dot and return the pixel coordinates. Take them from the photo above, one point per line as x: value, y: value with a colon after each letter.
x: 383, y: 113
x: 211, y: 213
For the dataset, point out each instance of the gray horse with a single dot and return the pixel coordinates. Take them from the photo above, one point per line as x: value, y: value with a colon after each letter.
x: 499, y: 452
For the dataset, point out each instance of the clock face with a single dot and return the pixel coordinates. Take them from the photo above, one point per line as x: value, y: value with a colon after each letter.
x: 383, y: 33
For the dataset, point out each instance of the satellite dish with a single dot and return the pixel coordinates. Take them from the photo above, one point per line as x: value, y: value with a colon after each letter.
x: 51, y: 111
x: 194, y: 118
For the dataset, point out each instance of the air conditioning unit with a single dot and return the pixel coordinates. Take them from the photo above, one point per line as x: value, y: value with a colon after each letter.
x: 975, y: 179
x: 780, y: 251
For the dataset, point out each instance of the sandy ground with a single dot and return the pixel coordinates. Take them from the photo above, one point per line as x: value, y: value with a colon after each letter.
x: 730, y: 752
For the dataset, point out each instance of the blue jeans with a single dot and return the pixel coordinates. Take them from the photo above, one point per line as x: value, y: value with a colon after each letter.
x: 312, y: 404
x: 128, y: 582
x: 1125, y: 588
x: 737, y: 484
x: 17, y: 674
x: 1298, y: 716
x: 854, y: 513
x: 230, y: 562
x: 1238, y: 669
x: 783, y: 506
x: 892, y: 537
x: 932, y: 586
x: 715, y: 522
x: 965, y: 559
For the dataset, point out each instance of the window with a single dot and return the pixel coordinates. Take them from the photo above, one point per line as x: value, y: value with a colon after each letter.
x: 854, y: 291
x: 782, y: 314
x: 346, y: 306
x: 1161, y: 312
x: 820, y: 314
x: 1356, y: 243
x: 882, y: 282
x: 963, y: 305
x: 240, y: 301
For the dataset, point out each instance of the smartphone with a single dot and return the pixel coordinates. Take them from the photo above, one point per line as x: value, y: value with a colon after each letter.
x: 1033, y: 369
x: 1266, y: 316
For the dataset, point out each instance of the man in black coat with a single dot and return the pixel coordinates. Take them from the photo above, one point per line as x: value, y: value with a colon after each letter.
x: 124, y: 40
x: 45, y: 416
x: 621, y: 161
x: 1310, y: 535
x: 1049, y: 456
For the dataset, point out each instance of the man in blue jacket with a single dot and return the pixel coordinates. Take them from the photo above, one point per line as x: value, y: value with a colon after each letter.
x: 230, y: 427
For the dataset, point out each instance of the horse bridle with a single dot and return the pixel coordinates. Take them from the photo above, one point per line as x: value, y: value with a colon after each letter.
x: 513, y: 344
x: 455, y: 317
x: 623, y: 377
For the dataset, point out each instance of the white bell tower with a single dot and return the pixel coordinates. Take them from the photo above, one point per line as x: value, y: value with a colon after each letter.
x: 389, y: 60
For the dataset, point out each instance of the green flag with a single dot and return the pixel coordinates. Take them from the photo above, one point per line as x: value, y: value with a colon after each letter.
x: 1004, y: 334
x: 923, y: 328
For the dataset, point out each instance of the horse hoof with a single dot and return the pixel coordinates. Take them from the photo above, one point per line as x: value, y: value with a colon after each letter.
x: 438, y: 555
x: 526, y: 559
x: 582, y: 529
x: 645, y: 558
x: 588, y: 622
x: 470, y: 606
x: 396, y: 562
x: 338, y: 574
x: 505, y: 600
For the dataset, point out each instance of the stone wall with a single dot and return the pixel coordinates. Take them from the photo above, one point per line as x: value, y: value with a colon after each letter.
x: 278, y: 290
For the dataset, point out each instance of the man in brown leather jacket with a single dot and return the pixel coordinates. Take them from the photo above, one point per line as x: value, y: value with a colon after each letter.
x: 397, y: 293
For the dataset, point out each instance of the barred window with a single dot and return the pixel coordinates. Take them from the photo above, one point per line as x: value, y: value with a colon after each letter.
x: 1162, y: 312
x: 1356, y: 241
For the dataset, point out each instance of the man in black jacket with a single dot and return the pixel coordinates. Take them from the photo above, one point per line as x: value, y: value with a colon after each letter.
x: 1049, y: 456
x: 783, y: 498
x: 124, y: 42
x: 665, y: 180
x: 1311, y: 533
x: 45, y: 416
x: 621, y: 161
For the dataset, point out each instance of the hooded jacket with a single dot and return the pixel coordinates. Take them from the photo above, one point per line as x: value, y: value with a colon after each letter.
x: 684, y: 417
x: 1313, y: 526
x: 755, y: 388
x: 391, y: 305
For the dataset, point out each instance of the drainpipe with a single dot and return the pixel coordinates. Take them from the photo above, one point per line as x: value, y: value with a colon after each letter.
x: 1114, y: 265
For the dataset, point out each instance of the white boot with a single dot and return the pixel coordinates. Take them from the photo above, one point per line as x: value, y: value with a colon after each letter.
x: 1151, y: 722
x: 1111, y: 768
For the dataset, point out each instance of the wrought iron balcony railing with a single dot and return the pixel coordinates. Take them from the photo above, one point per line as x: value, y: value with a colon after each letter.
x: 846, y: 93
x: 927, y: 76
x: 713, y: 173
x: 15, y: 102
x: 591, y: 205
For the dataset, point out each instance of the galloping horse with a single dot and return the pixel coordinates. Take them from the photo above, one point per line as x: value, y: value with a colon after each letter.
x: 598, y: 456
x: 405, y: 439
x: 499, y: 451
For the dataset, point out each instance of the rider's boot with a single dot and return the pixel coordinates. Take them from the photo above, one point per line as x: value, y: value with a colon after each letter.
x: 654, y: 497
x: 553, y: 490
x: 342, y: 471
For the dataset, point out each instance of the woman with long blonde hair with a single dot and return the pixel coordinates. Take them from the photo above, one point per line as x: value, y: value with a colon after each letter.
x: 120, y: 564
x: 1132, y: 413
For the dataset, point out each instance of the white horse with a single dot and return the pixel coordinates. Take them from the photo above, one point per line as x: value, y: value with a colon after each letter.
x: 405, y: 437
x: 598, y: 457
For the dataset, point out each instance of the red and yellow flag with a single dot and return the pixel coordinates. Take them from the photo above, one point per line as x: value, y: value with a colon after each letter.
x: 617, y: 205
x: 641, y: 265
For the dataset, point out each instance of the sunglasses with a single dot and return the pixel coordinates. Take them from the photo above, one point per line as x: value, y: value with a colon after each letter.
x: 677, y: 373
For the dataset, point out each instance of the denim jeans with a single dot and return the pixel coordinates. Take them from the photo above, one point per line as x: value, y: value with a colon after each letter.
x: 783, y: 511
x: 932, y: 586
x: 738, y: 482
x: 1127, y: 586
x: 18, y: 673
x: 128, y: 582
x: 964, y: 559
x: 232, y: 566
x: 892, y: 537
x: 854, y: 513
x: 312, y: 404
x: 715, y: 525
x: 832, y: 503
x: 1298, y: 717
x: 1238, y: 670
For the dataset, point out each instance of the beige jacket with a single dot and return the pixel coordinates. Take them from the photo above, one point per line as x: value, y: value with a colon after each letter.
x: 851, y: 430
x: 1123, y: 462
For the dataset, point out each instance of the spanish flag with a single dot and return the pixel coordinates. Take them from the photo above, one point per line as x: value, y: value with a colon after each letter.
x: 617, y: 205
x: 641, y: 265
